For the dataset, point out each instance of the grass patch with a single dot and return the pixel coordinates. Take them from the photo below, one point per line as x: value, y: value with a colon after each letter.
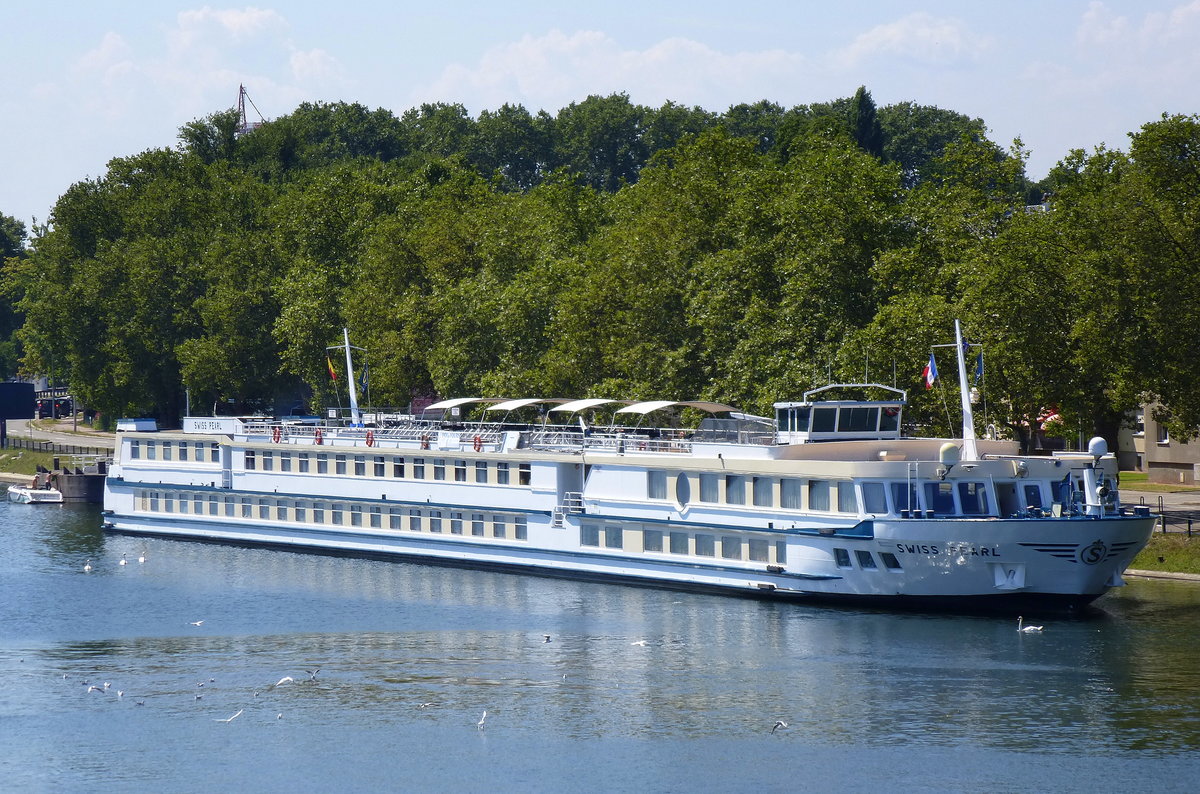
x: 24, y: 461
x: 1170, y: 551
x: 1140, y: 481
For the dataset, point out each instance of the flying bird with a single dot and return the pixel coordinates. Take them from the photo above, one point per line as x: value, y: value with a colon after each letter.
x: 779, y: 724
x: 196, y: 623
x: 231, y: 719
x: 479, y: 724
x: 287, y: 679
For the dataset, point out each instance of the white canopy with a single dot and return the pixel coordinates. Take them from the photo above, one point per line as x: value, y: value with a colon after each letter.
x: 512, y: 405
x: 584, y: 404
x: 457, y: 401
x: 654, y: 405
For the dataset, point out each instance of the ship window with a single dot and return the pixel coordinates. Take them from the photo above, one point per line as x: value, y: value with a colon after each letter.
x: 456, y: 524
x: 759, y: 551
x: 789, y: 493
x: 318, y: 512
x: 842, y: 558
x: 499, y: 530
x: 380, y: 466
x: 889, y: 561
x: 939, y: 497
x: 477, y: 524
x: 398, y: 468
x: 356, y: 515
x: 439, y: 469
x: 904, y: 496
x: 335, y: 513
x: 731, y: 547
x: 249, y: 460
x: 418, y: 468
x: 281, y: 511
x: 247, y: 507
x: 652, y: 540
x: 268, y: 461
x: 151, y: 450
x: 683, y: 489
x: 679, y: 543
x: 735, y: 489
x: 339, y: 464
x: 823, y: 420
x: 435, y: 520
x: 481, y: 468
x: 1033, y: 495
x: 973, y: 498
x: 166, y: 450
x: 521, y: 528
x: 762, y: 490
x: 614, y: 538
x: 781, y: 552
x: 183, y: 503
x: 708, y: 488
x: 229, y: 509
x: 212, y: 505
x: 589, y: 535
x: 395, y: 518
x: 858, y: 420
x: 460, y: 471
x: 168, y: 503
x: 523, y: 474
x: 818, y: 495
x: 865, y: 560
x: 214, y: 452
x: 197, y: 503
x: 154, y: 501
x: 847, y: 499
x: 199, y: 452
x: 874, y: 497
x: 414, y: 520
x: 705, y: 545
x: 656, y: 485
x: 285, y: 461
x: 183, y: 450
x: 135, y: 450
x: 360, y: 465
x: 800, y: 420
x: 301, y: 512
x: 502, y: 473
x: 889, y: 418
x: 322, y: 463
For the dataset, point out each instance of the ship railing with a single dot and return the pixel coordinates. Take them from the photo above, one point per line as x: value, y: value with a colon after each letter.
x: 572, y: 504
x: 665, y: 441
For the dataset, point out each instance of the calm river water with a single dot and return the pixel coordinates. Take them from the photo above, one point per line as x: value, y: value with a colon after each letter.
x: 637, y: 690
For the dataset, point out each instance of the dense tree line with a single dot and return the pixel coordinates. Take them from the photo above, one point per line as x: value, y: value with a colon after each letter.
x: 619, y: 250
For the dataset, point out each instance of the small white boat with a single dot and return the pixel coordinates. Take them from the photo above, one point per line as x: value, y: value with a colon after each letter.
x: 33, y: 496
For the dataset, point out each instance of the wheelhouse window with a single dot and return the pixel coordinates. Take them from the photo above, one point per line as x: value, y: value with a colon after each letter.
x: 939, y: 497
x: 858, y: 420
x: 874, y: 498
x: 904, y: 496
x: 1033, y: 495
x: 974, y: 498
x: 824, y: 420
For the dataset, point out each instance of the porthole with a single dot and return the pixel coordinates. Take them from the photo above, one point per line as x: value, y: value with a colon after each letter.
x: 683, y: 489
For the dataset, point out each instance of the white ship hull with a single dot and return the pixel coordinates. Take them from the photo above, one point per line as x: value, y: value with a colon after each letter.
x: 27, y: 495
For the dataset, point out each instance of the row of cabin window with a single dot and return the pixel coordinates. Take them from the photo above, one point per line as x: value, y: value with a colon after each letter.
x: 385, y: 466
x: 944, y: 498
x: 866, y: 560
x: 740, y: 489
x: 302, y: 511
x: 694, y: 544
x: 175, y: 450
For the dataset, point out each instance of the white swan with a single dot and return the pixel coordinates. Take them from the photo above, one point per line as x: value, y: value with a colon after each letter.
x: 142, y: 558
x: 87, y: 566
x: 1026, y: 629
x: 123, y: 560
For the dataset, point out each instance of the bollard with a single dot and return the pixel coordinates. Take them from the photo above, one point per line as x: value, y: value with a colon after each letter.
x: 1189, y: 527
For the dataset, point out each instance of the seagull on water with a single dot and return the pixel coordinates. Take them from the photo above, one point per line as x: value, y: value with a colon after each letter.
x: 123, y: 560
x: 1027, y: 629
x: 639, y: 643
x: 779, y: 724
x: 545, y: 638
x: 479, y: 724
x: 91, y: 689
x: 87, y: 567
x: 196, y: 623
x: 312, y: 674
x: 287, y: 679
x: 425, y: 705
x: 231, y: 719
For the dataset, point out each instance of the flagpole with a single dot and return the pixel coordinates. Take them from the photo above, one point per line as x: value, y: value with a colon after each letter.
x: 969, y: 450
x: 355, y: 416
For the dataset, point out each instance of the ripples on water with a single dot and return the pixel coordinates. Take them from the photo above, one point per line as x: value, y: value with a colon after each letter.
x: 874, y: 700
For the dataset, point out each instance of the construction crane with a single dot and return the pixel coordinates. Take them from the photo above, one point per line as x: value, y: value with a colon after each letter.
x: 245, y: 126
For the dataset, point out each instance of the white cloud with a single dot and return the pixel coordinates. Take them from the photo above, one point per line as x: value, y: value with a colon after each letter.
x: 316, y: 67
x: 918, y: 37
x: 555, y: 69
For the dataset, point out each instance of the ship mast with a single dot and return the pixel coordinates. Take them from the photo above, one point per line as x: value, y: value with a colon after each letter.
x: 969, y: 450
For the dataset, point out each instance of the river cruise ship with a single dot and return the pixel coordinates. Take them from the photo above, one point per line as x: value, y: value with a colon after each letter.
x: 826, y: 500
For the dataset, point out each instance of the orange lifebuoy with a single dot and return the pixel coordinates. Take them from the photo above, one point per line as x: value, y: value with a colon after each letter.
x: 320, y: 437
x: 425, y: 441
x: 477, y: 443
x: 276, y: 434
x: 370, y: 438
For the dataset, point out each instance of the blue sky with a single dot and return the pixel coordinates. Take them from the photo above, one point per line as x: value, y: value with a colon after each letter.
x: 86, y: 81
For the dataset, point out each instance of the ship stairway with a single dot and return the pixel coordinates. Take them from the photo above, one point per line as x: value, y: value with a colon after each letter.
x: 572, y: 504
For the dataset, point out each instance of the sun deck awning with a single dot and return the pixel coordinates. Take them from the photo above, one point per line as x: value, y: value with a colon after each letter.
x: 654, y: 405
x: 457, y: 401
x: 512, y: 405
x: 584, y: 404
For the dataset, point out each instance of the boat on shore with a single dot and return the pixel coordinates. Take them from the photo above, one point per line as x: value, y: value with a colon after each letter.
x: 824, y: 501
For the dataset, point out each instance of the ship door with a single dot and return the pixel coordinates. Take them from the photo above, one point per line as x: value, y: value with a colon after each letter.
x: 570, y: 480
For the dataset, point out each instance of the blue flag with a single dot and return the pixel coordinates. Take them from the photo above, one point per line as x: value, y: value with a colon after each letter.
x: 979, y: 368
x: 362, y: 379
